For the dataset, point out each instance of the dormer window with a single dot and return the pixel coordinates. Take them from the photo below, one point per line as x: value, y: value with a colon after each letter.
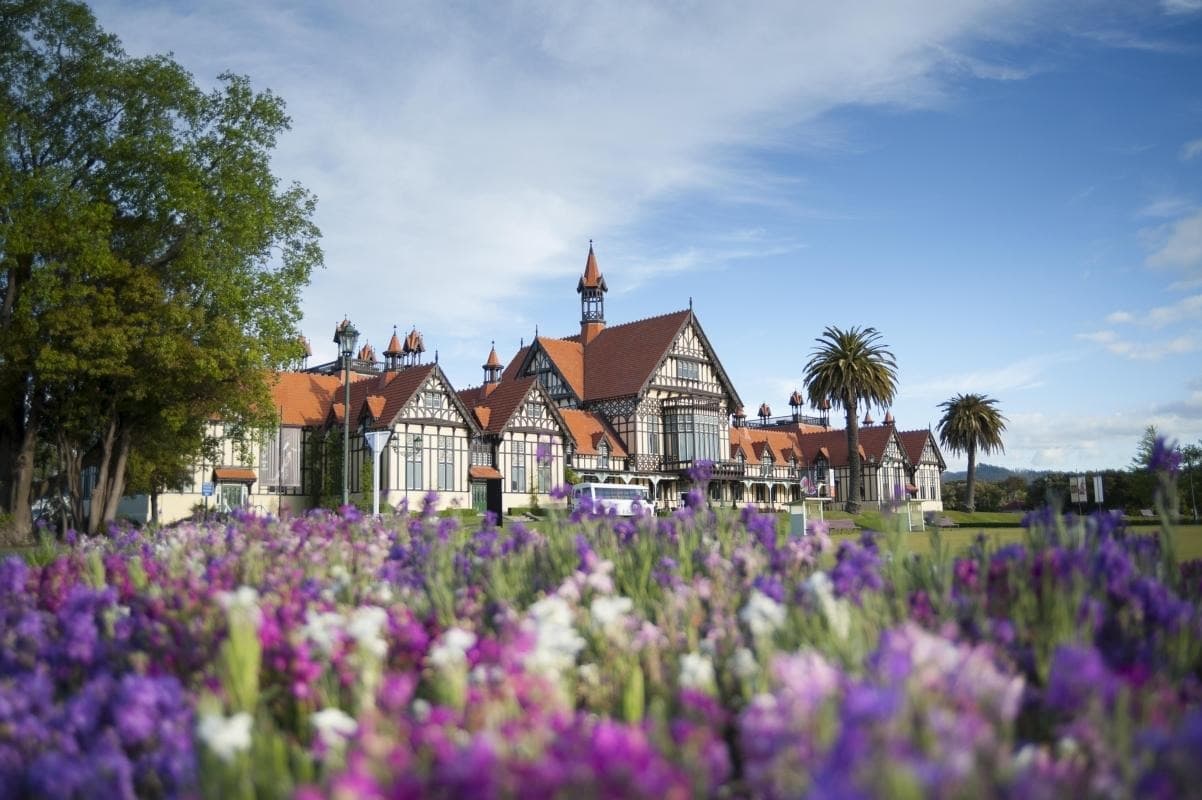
x: 603, y: 455
x: 766, y: 464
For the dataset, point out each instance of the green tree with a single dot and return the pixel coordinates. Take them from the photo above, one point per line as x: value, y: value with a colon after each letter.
x: 150, y: 262
x: 971, y: 422
x: 1191, y: 456
x: 850, y: 367
x: 1143, y: 450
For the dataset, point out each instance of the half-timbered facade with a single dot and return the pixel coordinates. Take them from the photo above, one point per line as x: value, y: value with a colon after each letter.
x: 643, y: 402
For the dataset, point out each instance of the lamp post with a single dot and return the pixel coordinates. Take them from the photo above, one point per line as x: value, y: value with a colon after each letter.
x: 346, y: 337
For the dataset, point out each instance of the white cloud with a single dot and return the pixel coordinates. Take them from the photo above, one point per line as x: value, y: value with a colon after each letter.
x: 1017, y: 376
x: 462, y: 158
x: 1166, y: 207
x: 1181, y: 6
x: 1178, y: 244
x: 1191, y: 149
x: 1188, y: 309
x: 1143, y: 350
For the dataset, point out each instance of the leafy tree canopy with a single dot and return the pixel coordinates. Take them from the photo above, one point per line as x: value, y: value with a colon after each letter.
x: 150, y: 261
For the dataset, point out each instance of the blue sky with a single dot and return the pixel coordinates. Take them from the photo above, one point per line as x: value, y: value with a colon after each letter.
x: 1010, y: 192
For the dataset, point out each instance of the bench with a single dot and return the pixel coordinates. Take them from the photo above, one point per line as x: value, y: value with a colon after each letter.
x: 1147, y: 512
x: 841, y: 524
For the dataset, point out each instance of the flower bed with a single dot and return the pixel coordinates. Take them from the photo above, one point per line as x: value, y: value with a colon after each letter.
x: 687, y: 656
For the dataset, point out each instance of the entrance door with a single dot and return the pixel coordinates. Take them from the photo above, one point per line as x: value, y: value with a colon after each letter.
x: 232, y: 495
x: 479, y: 496
x: 494, y: 496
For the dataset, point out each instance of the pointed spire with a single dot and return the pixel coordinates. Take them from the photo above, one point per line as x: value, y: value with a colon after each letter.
x: 394, y: 345
x: 492, y: 370
x: 888, y: 417
x: 868, y: 420
x: 592, y: 278
x: 795, y: 399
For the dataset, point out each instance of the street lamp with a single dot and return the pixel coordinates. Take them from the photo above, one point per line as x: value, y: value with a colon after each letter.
x: 346, y: 337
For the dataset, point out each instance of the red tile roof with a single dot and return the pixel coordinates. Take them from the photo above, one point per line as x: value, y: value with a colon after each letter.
x: 484, y: 473
x: 568, y: 357
x: 913, y: 443
x: 239, y: 474
x: 394, y: 345
x: 622, y: 358
x: 303, y: 398
x: 499, y: 405
x: 587, y: 430
x: 493, y: 361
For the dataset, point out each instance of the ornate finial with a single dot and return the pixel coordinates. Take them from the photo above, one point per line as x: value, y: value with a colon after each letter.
x: 690, y: 302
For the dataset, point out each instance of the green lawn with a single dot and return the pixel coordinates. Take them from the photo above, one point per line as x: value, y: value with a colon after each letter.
x: 1189, y: 538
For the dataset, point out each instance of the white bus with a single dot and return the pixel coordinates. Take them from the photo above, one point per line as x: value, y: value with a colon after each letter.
x: 625, y: 500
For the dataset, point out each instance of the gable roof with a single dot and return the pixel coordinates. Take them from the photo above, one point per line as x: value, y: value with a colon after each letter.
x: 588, y: 429
x: 622, y: 358
x: 496, y: 409
x: 913, y: 443
x: 382, y: 397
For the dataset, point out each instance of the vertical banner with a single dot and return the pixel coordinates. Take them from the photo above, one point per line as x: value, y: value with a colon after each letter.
x: 1097, y: 489
x: 279, y: 460
x: 1076, y: 489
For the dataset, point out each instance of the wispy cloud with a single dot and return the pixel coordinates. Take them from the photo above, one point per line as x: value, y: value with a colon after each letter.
x: 1166, y: 207
x: 1027, y: 373
x: 1177, y: 244
x: 1191, y: 149
x: 485, y: 148
x: 1187, y: 309
x: 1143, y: 350
x: 1181, y: 6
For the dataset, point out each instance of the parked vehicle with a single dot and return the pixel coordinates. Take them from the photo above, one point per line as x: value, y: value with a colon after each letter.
x: 625, y: 500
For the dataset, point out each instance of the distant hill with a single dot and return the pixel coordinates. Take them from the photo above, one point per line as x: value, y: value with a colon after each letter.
x: 992, y: 474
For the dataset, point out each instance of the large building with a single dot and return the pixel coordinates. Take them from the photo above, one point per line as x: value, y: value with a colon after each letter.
x: 636, y: 403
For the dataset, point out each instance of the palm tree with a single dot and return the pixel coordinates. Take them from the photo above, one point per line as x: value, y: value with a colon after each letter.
x: 847, y: 367
x: 969, y: 422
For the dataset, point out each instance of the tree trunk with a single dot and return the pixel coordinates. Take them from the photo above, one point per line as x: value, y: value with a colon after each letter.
x: 72, y: 466
x: 117, y: 481
x: 20, y: 505
x: 101, y: 489
x: 154, y: 504
x: 970, y: 503
x: 852, y: 505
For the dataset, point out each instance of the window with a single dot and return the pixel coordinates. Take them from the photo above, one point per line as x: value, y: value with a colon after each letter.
x: 446, y: 463
x: 433, y: 399
x: 688, y: 370
x: 544, y: 478
x: 653, y: 435
x: 413, y: 461
x: 534, y: 409
x: 517, y: 469
x: 692, y: 433
x: 481, y: 453
x: 766, y: 464
x: 603, y: 455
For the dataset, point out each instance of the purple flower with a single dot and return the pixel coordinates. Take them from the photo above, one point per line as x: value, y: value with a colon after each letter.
x: 1077, y: 676
x: 1166, y: 457
x: 542, y: 453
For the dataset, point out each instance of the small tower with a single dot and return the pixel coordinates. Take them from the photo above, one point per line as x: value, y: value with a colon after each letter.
x: 492, y: 371
x: 740, y: 417
x: 591, y: 289
x: 889, y: 418
x: 392, y: 354
x: 765, y: 413
x: 795, y: 403
x: 868, y: 420
x: 825, y: 407
x: 411, y: 353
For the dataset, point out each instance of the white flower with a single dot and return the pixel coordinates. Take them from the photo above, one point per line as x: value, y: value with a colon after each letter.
x: 600, y: 579
x: 334, y: 726
x: 225, y: 736
x: 836, y: 610
x: 762, y: 614
x: 325, y: 630
x: 610, y: 611
x: 365, y: 626
x: 590, y: 674
x: 743, y: 663
x: 556, y: 641
x: 243, y: 600
x: 696, y: 672
x: 451, y: 648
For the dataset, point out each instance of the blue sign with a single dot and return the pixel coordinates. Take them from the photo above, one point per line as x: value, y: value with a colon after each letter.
x: 206, y: 489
